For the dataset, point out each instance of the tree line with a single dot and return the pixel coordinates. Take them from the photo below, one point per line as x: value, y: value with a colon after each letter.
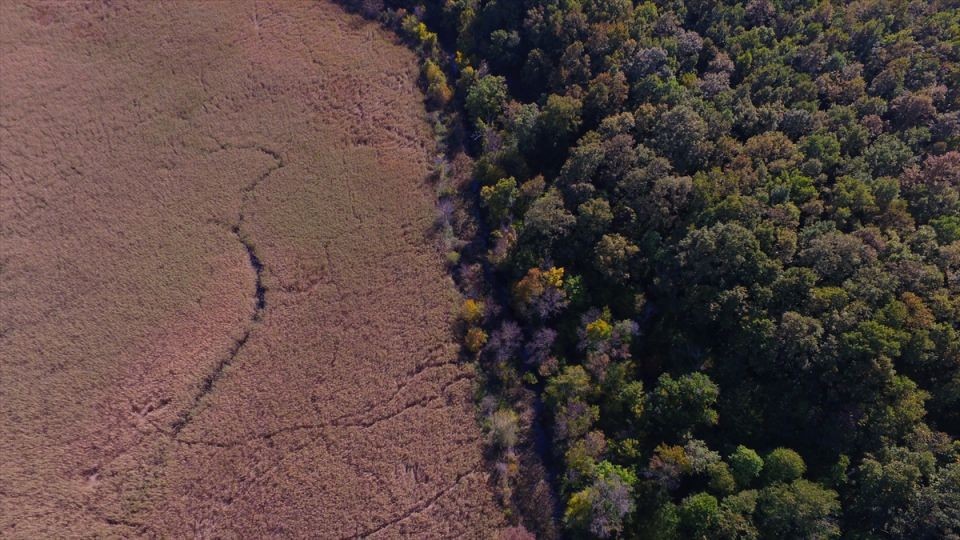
x: 729, y: 236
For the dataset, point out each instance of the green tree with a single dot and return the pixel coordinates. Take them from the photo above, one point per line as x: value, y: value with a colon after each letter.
x: 487, y: 97
x: 559, y: 121
x: 572, y: 383
x: 798, y: 510
x: 681, y: 134
x: 547, y: 220
x: 613, y: 257
x: 500, y: 198
x: 783, y: 465
x: 723, y: 255
x: 593, y: 219
x: 684, y: 403
x: 746, y: 465
x: 699, y: 516
x: 722, y: 481
x: 736, y: 516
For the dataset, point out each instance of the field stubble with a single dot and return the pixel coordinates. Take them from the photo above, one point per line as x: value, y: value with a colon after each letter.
x: 220, y: 315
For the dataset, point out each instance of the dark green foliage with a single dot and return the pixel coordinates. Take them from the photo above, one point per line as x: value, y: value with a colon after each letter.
x: 737, y: 223
x: 486, y: 98
x: 721, y: 478
x: 547, y: 220
x: 736, y: 516
x: 684, y: 403
x: 798, y: 510
x: 699, y: 515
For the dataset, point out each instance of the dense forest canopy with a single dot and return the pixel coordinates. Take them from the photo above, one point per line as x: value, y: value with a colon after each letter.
x: 730, y: 235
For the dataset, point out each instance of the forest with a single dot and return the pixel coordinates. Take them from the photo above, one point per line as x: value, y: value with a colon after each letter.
x: 721, y: 251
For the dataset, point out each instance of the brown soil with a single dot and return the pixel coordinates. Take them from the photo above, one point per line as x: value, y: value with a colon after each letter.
x: 221, y: 315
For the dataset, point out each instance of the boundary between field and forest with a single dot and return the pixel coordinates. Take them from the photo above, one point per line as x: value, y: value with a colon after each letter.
x: 517, y: 452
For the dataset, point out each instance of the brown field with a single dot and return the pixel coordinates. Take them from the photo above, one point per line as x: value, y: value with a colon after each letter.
x: 221, y: 315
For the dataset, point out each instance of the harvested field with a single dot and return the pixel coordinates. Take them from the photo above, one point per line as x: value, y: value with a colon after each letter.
x: 221, y: 315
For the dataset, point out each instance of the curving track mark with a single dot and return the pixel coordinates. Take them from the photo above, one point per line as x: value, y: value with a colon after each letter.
x: 260, y: 291
x: 423, y: 506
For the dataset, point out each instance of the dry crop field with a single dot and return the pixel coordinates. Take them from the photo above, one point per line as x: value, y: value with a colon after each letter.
x: 221, y: 315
